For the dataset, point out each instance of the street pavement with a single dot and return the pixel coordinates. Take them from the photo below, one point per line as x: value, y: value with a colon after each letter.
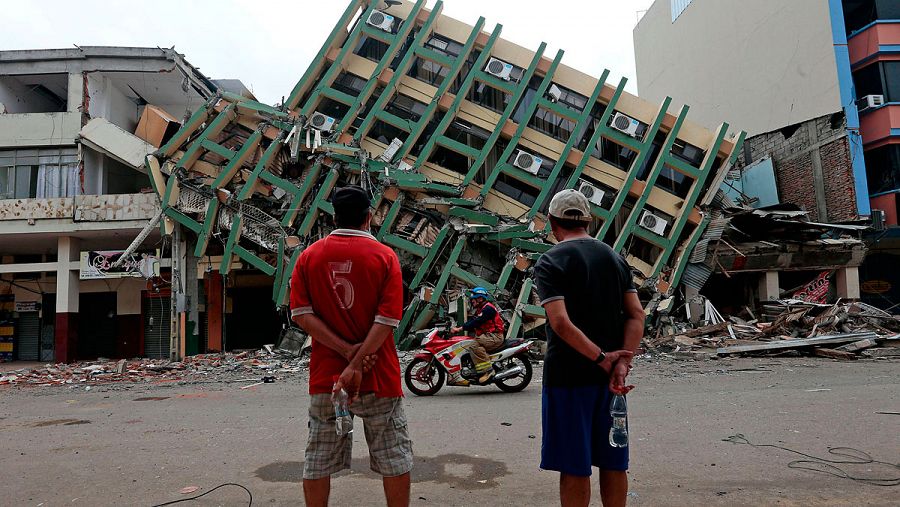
x: 139, y: 444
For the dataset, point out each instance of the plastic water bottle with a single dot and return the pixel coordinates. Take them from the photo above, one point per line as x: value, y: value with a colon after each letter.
x: 342, y: 418
x: 618, y: 433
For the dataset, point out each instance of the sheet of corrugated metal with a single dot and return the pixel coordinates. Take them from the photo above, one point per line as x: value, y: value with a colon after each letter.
x: 696, y: 275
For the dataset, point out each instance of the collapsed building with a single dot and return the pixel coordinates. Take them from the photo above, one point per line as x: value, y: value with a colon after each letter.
x: 461, y: 138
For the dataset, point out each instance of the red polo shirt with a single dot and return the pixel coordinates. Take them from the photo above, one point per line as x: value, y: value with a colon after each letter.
x: 350, y: 281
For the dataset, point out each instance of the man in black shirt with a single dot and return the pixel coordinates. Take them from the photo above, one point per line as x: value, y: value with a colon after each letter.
x: 595, y: 323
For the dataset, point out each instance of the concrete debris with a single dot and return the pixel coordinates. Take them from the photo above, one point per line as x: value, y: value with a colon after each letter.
x: 838, y: 331
x: 229, y: 367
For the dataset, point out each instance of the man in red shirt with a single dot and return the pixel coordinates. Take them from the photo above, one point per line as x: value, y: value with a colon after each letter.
x: 347, y: 293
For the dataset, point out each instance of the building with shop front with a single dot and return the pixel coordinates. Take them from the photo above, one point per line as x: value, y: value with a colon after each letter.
x: 816, y: 83
x: 73, y: 193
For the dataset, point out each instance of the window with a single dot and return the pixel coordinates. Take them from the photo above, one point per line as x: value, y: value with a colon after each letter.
x: 34, y: 93
x: 424, y: 137
x: 674, y: 182
x: 883, y: 168
x: 449, y: 159
x: 333, y: 108
x: 571, y: 99
x: 868, y: 81
x: 614, y: 154
x: 405, y: 107
x: 881, y: 78
x: 552, y: 124
x: 351, y: 84
x: 678, y: 7
x: 468, y: 134
x: 688, y: 153
x: 489, y: 97
x: 516, y: 190
x: 859, y: 13
x: 370, y: 48
x: 384, y: 133
x: 444, y: 45
x: 428, y: 71
x: 593, y: 122
x: 650, y: 159
x: 464, y: 71
x: 39, y: 173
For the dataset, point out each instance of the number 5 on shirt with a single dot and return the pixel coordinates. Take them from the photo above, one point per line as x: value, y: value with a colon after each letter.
x: 345, y: 295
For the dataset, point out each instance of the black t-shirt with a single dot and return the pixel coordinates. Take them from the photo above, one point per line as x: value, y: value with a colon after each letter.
x: 592, y: 279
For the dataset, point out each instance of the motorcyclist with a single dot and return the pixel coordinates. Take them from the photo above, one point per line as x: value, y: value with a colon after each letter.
x: 488, y: 328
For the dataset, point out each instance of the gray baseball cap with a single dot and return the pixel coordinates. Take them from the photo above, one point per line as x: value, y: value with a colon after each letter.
x: 572, y: 205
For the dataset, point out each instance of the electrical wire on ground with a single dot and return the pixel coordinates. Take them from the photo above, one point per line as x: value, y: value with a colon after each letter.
x: 208, y: 492
x: 851, y: 456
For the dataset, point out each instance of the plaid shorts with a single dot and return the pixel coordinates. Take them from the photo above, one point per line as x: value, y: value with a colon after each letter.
x: 387, y: 435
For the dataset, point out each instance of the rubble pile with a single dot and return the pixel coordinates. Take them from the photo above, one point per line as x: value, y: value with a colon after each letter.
x: 839, y: 331
x: 246, y: 366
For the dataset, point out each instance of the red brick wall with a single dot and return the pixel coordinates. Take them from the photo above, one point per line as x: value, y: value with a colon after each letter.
x: 791, y: 152
x: 840, y: 190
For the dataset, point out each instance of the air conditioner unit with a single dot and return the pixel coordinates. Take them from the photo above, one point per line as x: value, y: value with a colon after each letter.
x: 554, y: 93
x: 391, y: 150
x: 321, y: 121
x: 653, y: 223
x: 499, y: 68
x: 625, y: 124
x: 593, y: 194
x: 404, y: 166
x: 527, y: 162
x: 381, y: 21
x: 873, y: 101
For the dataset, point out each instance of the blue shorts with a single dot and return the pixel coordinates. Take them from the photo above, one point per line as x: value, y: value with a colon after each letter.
x: 576, y: 425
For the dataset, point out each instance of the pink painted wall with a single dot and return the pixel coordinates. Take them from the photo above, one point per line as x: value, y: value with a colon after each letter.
x: 888, y: 203
x: 875, y: 126
x: 866, y: 43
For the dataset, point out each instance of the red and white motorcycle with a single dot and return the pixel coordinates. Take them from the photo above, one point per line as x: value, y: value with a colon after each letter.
x: 449, y: 360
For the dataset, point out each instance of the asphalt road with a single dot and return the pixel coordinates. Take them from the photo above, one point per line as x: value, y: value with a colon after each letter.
x: 140, y: 444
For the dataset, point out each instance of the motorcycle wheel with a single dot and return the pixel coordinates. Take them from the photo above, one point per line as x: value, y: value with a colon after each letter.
x: 520, y: 381
x: 423, y: 377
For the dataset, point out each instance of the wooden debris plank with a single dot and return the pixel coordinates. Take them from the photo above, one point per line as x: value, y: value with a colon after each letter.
x: 857, y: 346
x: 833, y: 354
x: 793, y: 344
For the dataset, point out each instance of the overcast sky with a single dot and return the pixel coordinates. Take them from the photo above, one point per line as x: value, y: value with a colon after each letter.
x: 268, y: 44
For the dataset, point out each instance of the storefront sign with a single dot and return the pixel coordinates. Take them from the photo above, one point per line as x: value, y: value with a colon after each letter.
x: 27, y: 306
x: 815, y: 291
x: 99, y: 265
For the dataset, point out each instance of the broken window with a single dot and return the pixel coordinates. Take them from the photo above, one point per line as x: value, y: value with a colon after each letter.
x: 444, y: 45
x: 487, y: 96
x: 428, y: 71
x: 351, y: 84
x: 333, y: 108
x: 384, y: 132
x: 372, y: 49
x: 688, y: 152
x: 34, y: 93
x: 39, y: 173
x: 451, y: 160
x: 405, y: 107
